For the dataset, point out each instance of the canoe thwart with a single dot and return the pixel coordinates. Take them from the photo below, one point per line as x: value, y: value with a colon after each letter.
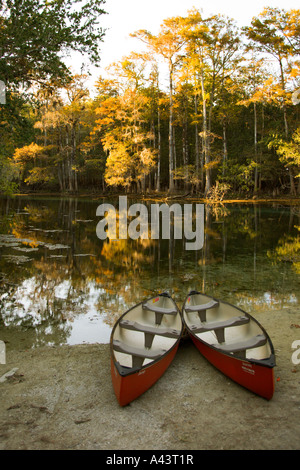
x: 164, y: 311
x: 161, y: 331
x: 201, y: 308
x: 239, y: 348
x: 150, y: 331
x: 219, y: 326
x: 159, y: 311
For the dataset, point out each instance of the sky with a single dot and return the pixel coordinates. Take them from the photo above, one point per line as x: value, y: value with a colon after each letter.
x: 126, y: 16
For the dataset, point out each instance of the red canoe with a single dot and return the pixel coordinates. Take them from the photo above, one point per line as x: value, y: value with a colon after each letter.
x: 232, y: 340
x: 143, y: 344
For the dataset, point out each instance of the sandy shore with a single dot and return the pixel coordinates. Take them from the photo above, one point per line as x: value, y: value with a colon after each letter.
x: 62, y: 398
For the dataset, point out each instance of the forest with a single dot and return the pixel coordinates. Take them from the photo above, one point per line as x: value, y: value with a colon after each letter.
x: 208, y: 108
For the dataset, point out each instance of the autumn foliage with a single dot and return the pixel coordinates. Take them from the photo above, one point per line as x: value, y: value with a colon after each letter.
x: 208, y: 105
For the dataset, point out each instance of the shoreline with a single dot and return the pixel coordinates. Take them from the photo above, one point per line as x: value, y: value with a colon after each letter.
x: 62, y: 398
x: 291, y: 200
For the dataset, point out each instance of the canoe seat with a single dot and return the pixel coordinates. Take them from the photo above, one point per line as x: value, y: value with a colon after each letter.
x: 201, y: 308
x: 239, y: 348
x: 150, y: 331
x: 138, y: 354
x: 160, y: 311
x: 219, y: 326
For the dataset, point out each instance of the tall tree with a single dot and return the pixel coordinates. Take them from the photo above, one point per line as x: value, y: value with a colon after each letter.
x: 121, y: 123
x: 212, y: 47
x: 168, y: 44
x: 56, y: 156
x: 272, y: 33
x: 252, y: 77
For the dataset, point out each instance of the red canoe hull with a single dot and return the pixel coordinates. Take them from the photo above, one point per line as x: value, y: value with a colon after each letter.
x: 129, y: 387
x: 255, y: 377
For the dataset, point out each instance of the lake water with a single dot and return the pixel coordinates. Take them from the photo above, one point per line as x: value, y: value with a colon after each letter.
x: 61, y: 284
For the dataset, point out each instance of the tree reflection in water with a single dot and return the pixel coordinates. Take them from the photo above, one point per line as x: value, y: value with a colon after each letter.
x: 59, y: 283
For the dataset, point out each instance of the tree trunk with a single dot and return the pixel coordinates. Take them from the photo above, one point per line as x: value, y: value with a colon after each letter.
x: 185, y: 151
x: 225, y: 153
x: 205, y: 139
x: 174, y: 160
x: 292, y: 182
x: 73, y: 182
x: 171, y: 138
x: 158, y: 149
x: 197, y: 143
x: 255, y: 150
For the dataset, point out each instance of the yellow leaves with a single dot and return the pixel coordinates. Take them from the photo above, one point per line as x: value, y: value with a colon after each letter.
x: 118, y: 166
x: 38, y: 174
x: 121, y: 112
x: 289, y: 151
x: 292, y: 28
x: 104, y: 122
x: 169, y: 40
x: 26, y: 153
x: 121, y: 119
x: 108, y: 106
x: 123, y: 166
x: 146, y: 157
x: 50, y: 119
x: 212, y: 164
x: 145, y: 161
x: 270, y: 92
x: 295, y: 71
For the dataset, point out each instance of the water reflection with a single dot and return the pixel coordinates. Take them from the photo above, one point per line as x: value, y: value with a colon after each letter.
x: 60, y: 284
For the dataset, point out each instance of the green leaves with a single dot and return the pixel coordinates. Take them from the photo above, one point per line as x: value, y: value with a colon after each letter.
x: 289, y: 151
x: 36, y: 34
x: 272, y: 32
